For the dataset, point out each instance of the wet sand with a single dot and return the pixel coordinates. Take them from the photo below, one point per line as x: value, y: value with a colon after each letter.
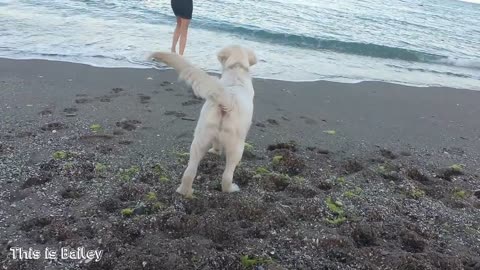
x: 338, y: 176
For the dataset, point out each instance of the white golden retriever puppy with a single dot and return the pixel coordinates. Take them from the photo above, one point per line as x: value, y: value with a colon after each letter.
x: 225, y: 117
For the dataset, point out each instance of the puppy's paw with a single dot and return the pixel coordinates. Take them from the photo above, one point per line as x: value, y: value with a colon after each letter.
x: 230, y: 188
x: 187, y: 192
x: 214, y: 151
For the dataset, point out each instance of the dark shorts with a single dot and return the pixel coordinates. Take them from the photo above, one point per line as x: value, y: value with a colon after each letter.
x: 182, y: 8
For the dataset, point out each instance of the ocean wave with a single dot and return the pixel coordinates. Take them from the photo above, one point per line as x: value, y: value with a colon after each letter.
x: 98, y: 60
x: 465, y: 63
x: 346, y: 47
x: 471, y: 1
x: 161, y: 14
x: 357, y: 48
x: 428, y: 70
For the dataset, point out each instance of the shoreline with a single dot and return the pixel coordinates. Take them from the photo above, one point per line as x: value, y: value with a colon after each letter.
x: 395, y: 110
x: 339, y: 176
x: 141, y: 67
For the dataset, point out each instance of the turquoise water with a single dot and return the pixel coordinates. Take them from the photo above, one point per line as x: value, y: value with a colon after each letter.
x: 408, y: 42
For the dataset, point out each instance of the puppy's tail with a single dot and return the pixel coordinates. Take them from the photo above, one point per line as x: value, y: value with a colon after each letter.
x: 203, y: 85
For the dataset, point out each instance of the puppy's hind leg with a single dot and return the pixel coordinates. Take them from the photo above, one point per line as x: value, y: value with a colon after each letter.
x: 234, y: 152
x: 197, y: 151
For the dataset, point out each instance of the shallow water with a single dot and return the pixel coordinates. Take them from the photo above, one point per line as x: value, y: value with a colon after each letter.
x: 408, y: 42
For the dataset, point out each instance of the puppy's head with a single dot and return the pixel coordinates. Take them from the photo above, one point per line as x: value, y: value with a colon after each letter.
x: 232, y: 55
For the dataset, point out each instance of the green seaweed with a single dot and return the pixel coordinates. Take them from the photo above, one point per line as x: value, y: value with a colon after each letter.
x: 95, y: 128
x: 330, y: 132
x: 248, y: 147
x: 249, y: 262
x: 68, y: 166
x: 276, y: 160
x: 334, y: 206
x: 262, y: 171
x: 336, y: 221
x: 353, y: 193
x: 130, y: 173
x: 152, y: 203
x: 299, y: 179
x: 157, y: 206
x: 458, y: 168
x: 158, y: 169
x: 460, y: 194
x: 100, y: 168
x: 127, y: 212
x: 280, y: 180
x: 151, y: 197
x: 161, y: 172
x: 388, y: 171
x: 61, y: 155
x: 182, y: 157
x: 340, y: 180
x: 349, y: 194
x: 416, y: 193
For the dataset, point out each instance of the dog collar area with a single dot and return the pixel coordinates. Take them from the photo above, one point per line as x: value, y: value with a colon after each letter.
x: 237, y: 65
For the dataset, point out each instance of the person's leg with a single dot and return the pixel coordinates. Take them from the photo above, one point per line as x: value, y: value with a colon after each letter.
x: 176, y: 35
x: 183, y: 34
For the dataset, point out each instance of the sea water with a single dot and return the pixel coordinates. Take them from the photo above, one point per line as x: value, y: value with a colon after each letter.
x: 423, y: 43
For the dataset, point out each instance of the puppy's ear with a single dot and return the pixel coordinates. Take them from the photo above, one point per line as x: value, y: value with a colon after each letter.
x: 252, y: 58
x: 223, y: 55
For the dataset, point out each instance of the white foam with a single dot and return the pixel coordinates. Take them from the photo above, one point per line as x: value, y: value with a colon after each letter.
x: 471, y: 1
x: 466, y: 63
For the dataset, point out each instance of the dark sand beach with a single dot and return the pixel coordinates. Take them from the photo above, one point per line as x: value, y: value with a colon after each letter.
x: 336, y: 176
